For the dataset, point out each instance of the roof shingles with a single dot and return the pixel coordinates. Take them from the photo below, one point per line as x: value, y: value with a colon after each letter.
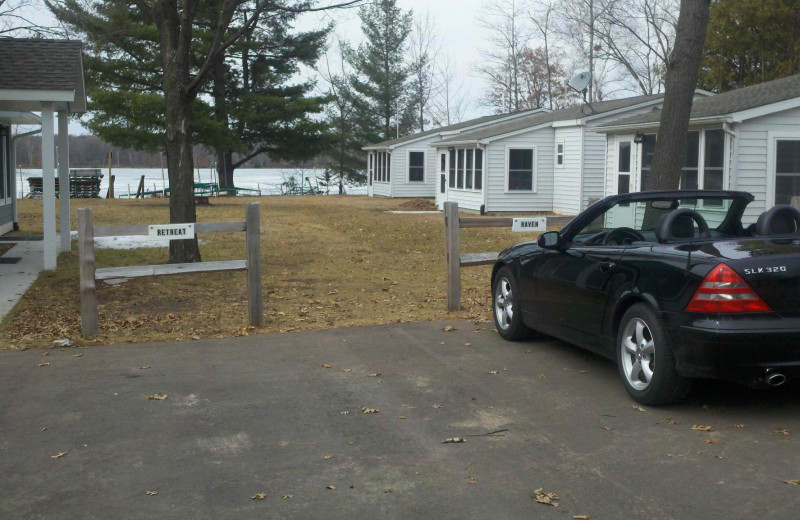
x: 39, y: 64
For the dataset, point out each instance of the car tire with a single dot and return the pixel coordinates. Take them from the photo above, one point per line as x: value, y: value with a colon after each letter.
x: 645, y: 359
x: 506, y: 309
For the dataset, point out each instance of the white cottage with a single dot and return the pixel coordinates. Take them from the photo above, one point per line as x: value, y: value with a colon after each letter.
x: 406, y: 167
x: 746, y: 139
x: 548, y: 162
x: 46, y: 77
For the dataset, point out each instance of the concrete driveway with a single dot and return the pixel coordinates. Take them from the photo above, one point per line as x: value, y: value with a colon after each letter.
x: 282, y: 415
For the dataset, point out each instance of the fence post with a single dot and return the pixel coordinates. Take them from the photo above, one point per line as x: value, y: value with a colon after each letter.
x: 452, y: 238
x: 88, y: 288
x: 253, y: 239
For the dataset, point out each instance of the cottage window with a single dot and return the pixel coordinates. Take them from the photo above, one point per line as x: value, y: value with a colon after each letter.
x: 689, y: 172
x: 787, y: 170
x: 560, y: 153
x: 648, y: 150
x: 624, y: 167
x: 452, y: 168
x: 714, y: 162
x: 478, y: 169
x: 520, y: 169
x: 468, y: 181
x: 460, y: 170
x: 416, y: 166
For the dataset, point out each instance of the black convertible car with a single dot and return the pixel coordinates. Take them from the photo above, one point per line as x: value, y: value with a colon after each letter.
x: 670, y: 284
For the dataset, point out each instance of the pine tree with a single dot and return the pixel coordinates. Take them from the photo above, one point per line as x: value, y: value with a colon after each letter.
x: 749, y: 42
x: 384, y: 103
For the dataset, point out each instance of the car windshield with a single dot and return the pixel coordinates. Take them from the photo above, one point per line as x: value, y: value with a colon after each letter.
x: 640, y: 221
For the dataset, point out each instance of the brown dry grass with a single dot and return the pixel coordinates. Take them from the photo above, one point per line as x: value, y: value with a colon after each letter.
x: 328, y: 262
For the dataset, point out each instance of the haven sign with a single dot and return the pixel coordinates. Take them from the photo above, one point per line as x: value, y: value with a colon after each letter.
x: 171, y: 232
x: 529, y: 224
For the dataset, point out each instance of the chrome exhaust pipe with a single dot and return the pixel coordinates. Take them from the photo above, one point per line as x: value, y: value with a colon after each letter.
x: 774, y: 379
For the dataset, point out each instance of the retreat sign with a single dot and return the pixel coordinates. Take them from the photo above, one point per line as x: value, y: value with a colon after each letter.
x: 171, y: 232
x: 529, y: 224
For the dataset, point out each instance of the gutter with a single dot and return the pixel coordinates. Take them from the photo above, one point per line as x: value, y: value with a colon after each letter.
x: 655, y: 124
x: 13, y: 187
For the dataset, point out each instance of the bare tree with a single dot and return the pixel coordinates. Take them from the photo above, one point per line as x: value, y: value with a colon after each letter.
x: 449, y: 103
x: 579, y: 27
x: 17, y: 19
x: 542, y: 20
x: 423, y: 48
x: 639, y: 35
x: 681, y: 82
x: 507, y: 37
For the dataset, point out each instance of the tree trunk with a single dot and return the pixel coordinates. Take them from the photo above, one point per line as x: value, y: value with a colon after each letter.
x: 223, y: 152
x: 679, y: 89
x: 225, y: 167
x: 178, y: 136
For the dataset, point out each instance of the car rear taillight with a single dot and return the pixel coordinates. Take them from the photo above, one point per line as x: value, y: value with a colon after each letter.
x: 723, y: 290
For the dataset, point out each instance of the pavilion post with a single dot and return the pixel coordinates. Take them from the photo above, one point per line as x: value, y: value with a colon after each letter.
x: 49, y: 187
x: 64, y: 190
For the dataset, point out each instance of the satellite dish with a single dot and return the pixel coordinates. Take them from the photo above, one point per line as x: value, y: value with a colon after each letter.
x: 580, y: 81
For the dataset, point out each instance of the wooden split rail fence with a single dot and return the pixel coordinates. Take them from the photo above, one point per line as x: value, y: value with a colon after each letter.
x: 89, y: 275
x: 453, y: 224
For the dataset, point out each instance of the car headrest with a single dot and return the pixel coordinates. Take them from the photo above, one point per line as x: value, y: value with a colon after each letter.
x: 779, y: 220
x: 680, y: 224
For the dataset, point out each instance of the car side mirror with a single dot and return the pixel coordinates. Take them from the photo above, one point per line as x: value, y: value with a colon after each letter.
x: 550, y: 240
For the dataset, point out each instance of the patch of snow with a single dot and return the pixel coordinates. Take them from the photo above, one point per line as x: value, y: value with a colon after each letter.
x: 125, y: 242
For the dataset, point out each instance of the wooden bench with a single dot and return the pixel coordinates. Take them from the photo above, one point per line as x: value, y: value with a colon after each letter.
x: 89, y: 275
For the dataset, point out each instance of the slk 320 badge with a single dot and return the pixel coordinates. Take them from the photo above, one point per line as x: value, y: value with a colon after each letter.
x: 761, y: 270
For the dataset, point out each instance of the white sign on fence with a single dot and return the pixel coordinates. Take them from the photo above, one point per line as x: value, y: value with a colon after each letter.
x: 529, y: 224
x: 171, y: 232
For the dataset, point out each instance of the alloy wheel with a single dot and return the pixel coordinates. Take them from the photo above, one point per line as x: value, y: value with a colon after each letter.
x: 503, y: 303
x: 638, y: 354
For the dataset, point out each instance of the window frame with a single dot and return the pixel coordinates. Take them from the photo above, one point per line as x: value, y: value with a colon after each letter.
x: 772, y: 161
x: 534, y: 168
x: 562, y: 154
x: 464, y: 171
x: 424, y: 166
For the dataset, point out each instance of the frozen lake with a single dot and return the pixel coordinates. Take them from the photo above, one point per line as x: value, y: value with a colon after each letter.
x: 268, y: 180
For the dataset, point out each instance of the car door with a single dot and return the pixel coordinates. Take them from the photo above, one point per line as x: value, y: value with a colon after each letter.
x: 572, y: 288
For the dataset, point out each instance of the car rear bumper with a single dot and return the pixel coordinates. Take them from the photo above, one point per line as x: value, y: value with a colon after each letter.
x: 740, y: 348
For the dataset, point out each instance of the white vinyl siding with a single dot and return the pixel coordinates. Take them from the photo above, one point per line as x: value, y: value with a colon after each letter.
x: 496, y: 156
x: 567, y: 178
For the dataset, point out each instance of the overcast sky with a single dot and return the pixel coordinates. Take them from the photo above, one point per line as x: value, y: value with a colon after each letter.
x: 458, y: 30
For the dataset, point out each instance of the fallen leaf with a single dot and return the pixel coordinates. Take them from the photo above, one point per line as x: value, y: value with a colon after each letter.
x: 712, y: 441
x: 77, y: 355
x: 673, y: 421
x: 259, y: 496
x: 792, y: 482
x: 638, y: 408
x: 388, y: 490
x: 326, y: 457
x: 453, y: 440
x: 467, y: 344
x: 369, y: 410
x: 607, y: 428
x: 348, y: 369
x: 740, y: 426
x: 493, y: 372
x: 441, y: 343
x: 580, y: 517
x: 44, y: 364
x: 196, y: 337
x: 449, y: 328
x: 437, y: 406
x: 472, y: 480
x: 156, y: 397
x: 584, y: 371
x: 402, y: 417
x: 528, y: 351
x: 287, y: 496
x: 44, y: 354
x: 151, y: 493
x: 374, y: 375
x: 330, y: 486
x: 543, y: 497
x: 700, y: 428
x: 325, y: 365
x: 344, y: 413
x: 58, y: 455
x: 43, y: 429
x: 145, y: 367
x: 541, y: 376
x: 782, y: 432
